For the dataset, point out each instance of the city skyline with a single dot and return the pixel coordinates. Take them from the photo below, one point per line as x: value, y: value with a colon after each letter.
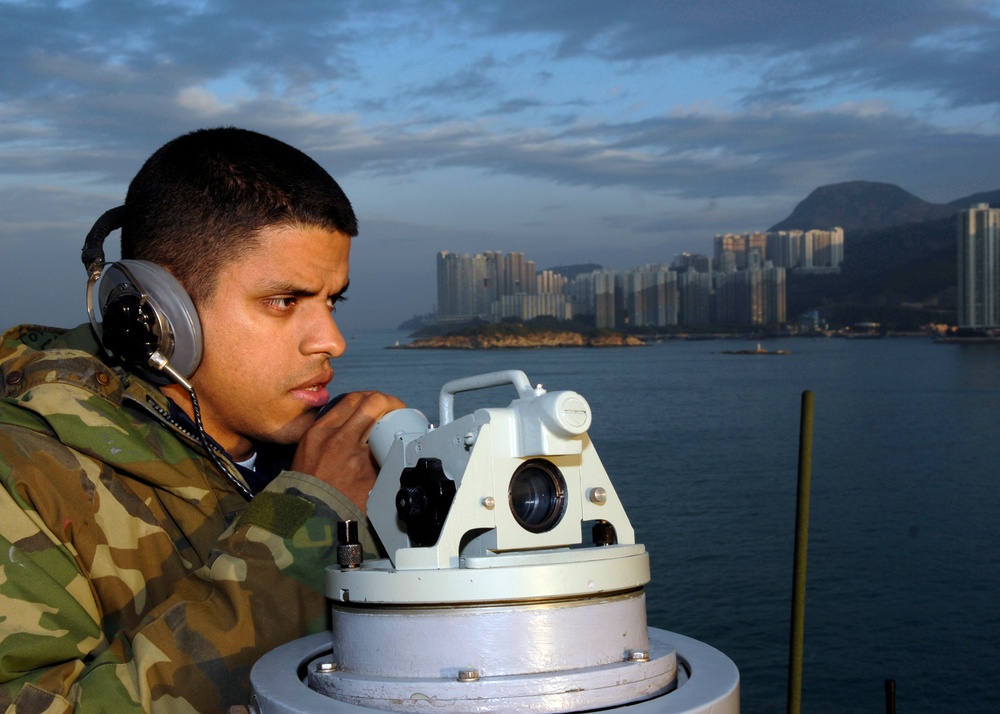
x: 616, y: 133
x: 497, y: 287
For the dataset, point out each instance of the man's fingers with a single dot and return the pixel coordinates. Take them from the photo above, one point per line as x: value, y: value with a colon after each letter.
x: 356, y: 413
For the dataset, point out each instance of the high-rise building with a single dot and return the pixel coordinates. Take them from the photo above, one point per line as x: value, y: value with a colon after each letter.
x: 549, y: 283
x: 519, y: 275
x: 820, y: 251
x: 694, y: 290
x: 527, y: 307
x: 696, y: 261
x: 755, y: 296
x: 730, y: 252
x: 775, y: 295
x: 651, y: 296
x: 478, y: 287
x: 455, y: 284
x: 466, y: 285
x: 609, y: 309
x: 979, y: 267
x: 783, y: 248
x: 582, y: 295
x: 755, y: 242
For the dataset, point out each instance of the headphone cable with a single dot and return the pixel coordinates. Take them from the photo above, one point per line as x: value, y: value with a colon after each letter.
x: 158, y: 361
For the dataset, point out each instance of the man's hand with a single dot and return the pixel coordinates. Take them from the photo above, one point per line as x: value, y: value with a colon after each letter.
x: 335, y: 448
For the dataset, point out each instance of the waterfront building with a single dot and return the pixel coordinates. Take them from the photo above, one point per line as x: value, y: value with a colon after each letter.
x: 755, y: 296
x: 694, y: 291
x: 519, y: 275
x: 782, y: 248
x: 547, y: 282
x: 581, y: 294
x: 820, y: 251
x: 456, y: 286
x: 609, y: 304
x: 651, y: 296
x: 775, y: 295
x: 527, y: 307
x: 979, y: 267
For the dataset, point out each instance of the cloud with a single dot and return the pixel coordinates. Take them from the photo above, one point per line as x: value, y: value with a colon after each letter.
x: 630, y: 116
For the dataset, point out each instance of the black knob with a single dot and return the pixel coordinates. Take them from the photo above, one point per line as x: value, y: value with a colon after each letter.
x: 411, y: 502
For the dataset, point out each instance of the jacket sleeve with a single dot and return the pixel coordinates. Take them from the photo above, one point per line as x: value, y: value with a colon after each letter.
x: 96, y: 615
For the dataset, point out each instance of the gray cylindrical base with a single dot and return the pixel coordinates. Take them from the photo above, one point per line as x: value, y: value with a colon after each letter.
x: 495, y: 640
x: 709, y: 681
x: 531, y: 658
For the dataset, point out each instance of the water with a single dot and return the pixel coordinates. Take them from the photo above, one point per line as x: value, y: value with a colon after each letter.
x: 904, y: 551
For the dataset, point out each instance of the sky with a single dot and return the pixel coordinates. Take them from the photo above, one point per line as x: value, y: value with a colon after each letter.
x: 574, y: 131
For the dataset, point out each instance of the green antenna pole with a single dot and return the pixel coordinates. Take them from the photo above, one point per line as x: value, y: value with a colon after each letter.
x: 797, y: 635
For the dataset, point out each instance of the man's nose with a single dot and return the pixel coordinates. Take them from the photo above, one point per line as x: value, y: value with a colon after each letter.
x: 324, y: 336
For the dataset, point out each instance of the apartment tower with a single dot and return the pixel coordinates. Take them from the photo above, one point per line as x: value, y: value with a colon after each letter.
x: 979, y: 267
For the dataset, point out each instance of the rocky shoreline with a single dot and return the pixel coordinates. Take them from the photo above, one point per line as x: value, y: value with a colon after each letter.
x: 548, y: 338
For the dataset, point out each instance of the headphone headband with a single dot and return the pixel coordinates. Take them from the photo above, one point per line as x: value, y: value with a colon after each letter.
x: 93, y: 246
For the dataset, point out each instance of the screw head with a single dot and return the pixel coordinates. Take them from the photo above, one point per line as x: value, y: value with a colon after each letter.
x: 468, y: 675
x: 637, y: 655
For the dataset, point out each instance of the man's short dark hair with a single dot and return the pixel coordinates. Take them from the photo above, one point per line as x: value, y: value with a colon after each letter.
x: 198, y: 203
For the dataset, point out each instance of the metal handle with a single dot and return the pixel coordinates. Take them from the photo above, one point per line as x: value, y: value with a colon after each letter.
x: 446, y: 403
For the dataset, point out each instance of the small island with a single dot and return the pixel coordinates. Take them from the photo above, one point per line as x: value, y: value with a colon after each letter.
x: 515, y: 336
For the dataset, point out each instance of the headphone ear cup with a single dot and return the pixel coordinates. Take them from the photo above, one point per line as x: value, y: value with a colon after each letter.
x: 129, y: 330
x: 145, y: 309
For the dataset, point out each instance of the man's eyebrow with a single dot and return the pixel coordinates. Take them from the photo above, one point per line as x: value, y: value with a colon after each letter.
x: 297, y: 290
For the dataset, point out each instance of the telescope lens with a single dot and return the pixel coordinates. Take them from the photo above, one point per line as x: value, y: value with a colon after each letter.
x: 537, y: 495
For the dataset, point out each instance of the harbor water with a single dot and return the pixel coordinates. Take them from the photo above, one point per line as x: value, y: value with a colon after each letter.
x: 904, y: 552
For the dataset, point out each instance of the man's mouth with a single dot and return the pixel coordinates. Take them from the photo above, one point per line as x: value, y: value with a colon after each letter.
x: 314, y: 395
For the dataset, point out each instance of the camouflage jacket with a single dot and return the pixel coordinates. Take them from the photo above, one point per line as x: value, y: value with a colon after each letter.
x: 133, y: 576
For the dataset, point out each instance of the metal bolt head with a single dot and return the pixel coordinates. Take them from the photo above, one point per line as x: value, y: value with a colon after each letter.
x: 637, y: 655
x: 488, y: 503
x: 468, y: 675
x: 327, y: 667
x: 598, y: 496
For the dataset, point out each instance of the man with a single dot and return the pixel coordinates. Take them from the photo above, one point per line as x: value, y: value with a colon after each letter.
x: 159, y: 532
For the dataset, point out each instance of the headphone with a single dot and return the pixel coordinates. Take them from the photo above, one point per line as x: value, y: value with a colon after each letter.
x: 147, y: 319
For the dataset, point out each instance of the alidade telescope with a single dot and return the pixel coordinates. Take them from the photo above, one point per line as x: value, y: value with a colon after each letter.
x: 512, y: 581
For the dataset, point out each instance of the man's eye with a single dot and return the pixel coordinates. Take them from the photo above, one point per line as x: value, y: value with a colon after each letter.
x: 281, y: 303
x: 332, y: 302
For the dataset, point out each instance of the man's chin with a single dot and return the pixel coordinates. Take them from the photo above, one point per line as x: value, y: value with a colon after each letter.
x: 290, y: 433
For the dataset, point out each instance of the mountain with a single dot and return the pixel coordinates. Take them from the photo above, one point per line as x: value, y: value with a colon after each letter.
x: 900, y: 261
x: 990, y: 197
x: 861, y: 206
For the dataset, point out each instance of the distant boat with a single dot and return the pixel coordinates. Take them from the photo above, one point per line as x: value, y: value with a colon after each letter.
x: 862, y: 331
x: 759, y: 351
